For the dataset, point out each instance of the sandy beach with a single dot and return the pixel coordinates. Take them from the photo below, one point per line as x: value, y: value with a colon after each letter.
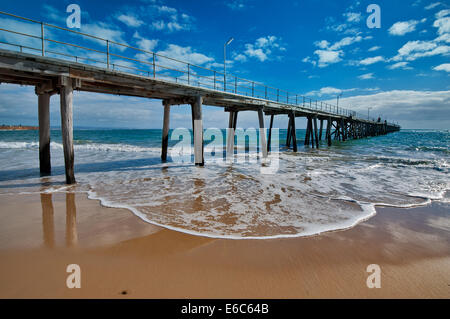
x: 122, y: 256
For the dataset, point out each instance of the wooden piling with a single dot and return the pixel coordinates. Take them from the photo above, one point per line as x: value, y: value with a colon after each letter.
x: 262, y: 133
x: 165, y: 131
x: 66, y: 104
x: 294, y: 132
x: 321, y: 128
x: 288, y: 134
x: 198, y: 131
x: 44, y: 133
x: 269, y: 140
x: 329, y: 124
x: 316, y: 135
x: 230, y: 136
x: 308, y: 128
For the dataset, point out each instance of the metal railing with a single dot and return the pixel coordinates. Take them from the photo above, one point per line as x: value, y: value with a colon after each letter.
x: 94, y: 50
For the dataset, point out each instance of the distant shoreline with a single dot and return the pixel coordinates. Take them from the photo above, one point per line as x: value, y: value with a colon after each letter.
x: 17, y: 128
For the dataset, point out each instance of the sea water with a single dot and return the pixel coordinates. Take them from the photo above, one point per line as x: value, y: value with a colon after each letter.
x: 311, y: 191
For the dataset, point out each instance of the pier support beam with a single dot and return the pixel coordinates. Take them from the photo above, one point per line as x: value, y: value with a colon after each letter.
x: 66, y: 99
x: 316, y: 135
x: 329, y: 124
x: 165, y: 131
x: 44, y: 133
x: 293, y: 132
x: 198, y: 131
x: 262, y: 133
x: 269, y: 140
x: 230, y: 137
x: 321, y: 129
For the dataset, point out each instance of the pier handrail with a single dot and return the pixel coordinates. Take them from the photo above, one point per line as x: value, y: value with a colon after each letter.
x: 161, y: 67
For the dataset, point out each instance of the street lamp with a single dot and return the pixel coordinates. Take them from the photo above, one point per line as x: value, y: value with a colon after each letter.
x: 337, y: 103
x: 368, y: 109
x: 225, y: 63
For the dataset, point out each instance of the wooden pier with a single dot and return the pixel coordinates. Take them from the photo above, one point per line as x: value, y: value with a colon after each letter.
x: 63, y: 74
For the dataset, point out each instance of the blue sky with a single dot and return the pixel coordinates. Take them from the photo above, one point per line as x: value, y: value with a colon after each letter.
x: 316, y: 48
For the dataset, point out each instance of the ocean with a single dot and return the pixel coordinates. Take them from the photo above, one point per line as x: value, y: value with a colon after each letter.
x: 309, y: 192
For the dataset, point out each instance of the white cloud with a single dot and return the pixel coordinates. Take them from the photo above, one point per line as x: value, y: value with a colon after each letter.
x: 352, y: 16
x: 366, y: 76
x: 323, y: 44
x: 130, y: 20
x: 185, y: 54
x: 413, y: 50
x: 401, y: 28
x: 374, y: 48
x: 416, y: 109
x: 145, y: 44
x: 399, y: 65
x: 443, y: 67
x: 432, y: 6
x: 442, y: 21
x: 327, y: 57
x: 261, y: 49
x: 345, y: 42
x: 371, y: 60
x: 235, y: 5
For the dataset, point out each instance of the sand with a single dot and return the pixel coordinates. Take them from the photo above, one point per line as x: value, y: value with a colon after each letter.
x: 121, y: 256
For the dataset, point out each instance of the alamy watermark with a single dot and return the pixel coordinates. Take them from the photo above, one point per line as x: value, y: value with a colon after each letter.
x: 221, y: 147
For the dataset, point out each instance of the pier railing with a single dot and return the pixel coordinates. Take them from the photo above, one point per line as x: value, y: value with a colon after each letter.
x: 35, y: 37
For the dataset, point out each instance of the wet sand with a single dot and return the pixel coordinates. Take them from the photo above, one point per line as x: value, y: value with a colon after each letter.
x: 122, y: 256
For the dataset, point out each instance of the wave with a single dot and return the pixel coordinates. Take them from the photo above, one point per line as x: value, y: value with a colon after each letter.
x: 84, y: 145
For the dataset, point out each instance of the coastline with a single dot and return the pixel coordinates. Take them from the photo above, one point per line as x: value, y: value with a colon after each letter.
x: 122, y: 256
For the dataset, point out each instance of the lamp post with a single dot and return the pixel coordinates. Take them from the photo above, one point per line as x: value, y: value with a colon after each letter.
x: 225, y: 63
x: 337, y: 102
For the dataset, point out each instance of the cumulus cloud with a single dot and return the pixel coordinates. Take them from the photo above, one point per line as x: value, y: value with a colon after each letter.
x: 262, y: 49
x: 401, y: 28
x: 374, y: 48
x: 432, y: 5
x: 399, y: 65
x: 366, y: 76
x: 371, y: 60
x: 413, y: 109
x: 130, y: 20
x: 413, y: 50
x: 443, y: 67
x: 442, y: 21
x: 327, y: 57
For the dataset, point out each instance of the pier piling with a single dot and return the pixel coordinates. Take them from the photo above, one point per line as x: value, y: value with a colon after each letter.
x: 66, y: 104
x: 198, y: 131
x: 165, y: 131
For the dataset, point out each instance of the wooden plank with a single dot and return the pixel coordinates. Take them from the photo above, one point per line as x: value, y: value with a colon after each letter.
x: 44, y: 133
x: 66, y: 104
x: 165, y: 131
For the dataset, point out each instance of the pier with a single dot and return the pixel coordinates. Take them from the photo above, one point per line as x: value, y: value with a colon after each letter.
x: 88, y: 63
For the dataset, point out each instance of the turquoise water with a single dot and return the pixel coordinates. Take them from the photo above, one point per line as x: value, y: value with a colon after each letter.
x: 302, y: 193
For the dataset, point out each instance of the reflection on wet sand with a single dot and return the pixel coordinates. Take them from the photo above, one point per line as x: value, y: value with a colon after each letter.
x: 71, y: 221
x: 48, y: 222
